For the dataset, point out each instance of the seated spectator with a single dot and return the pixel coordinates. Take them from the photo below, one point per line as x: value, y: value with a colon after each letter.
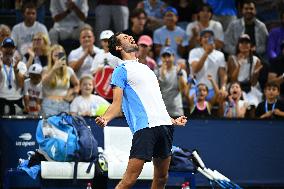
x: 155, y: 12
x: 234, y: 107
x: 40, y: 4
x: 111, y: 12
x: 201, y: 108
x: 275, y: 39
x: 33, y: 90
x: 250, y: 25
x: 244, y: 68
x: 88, y: 104
x: 224, y: 11
x: 59, y: 81
x: 68, y: 17
x: 11, y: 79
x: 138, y: 19
x: 204, y: 22
x: 23, y: 32
x: 81, y: 59
x: 145, y: 44
x: 187, y: 10
x: 4, y: 33
x: 276, y: 71
x: 38, y: 53
x: 271, y: 107
x: 105, y: 58
x: 206, y: 60
x: 170, y: 35
x: 172, y: 80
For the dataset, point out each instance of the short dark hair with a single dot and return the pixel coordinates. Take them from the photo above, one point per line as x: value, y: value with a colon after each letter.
x: 136, y: 12
x: 28, y: 5
x: 113, y: 42
x: 205, y: 5
x: 247, y: 2
x: 272, y: 84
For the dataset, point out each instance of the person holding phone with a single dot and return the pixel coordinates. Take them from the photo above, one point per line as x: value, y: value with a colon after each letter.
x: 60, y: 84
x: 206, y: 60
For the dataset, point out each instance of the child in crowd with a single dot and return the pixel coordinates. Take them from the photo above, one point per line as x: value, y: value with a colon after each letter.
x: 234, y: 107
x: 201, y: 108
x: 271, y: 107
x: 33, y: 90
x: 88, y: 104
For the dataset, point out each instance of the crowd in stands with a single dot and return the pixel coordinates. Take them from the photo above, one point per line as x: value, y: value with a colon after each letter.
x: 211, y: 58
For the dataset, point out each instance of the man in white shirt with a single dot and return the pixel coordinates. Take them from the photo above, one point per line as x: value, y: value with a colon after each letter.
x: 81, y: 59
x: 23, y: 32
x: 69, y: 17
x: 12, y: 73
x: 206, y: 60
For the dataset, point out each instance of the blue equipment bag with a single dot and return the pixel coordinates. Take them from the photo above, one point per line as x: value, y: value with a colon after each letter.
x: 64, y: 137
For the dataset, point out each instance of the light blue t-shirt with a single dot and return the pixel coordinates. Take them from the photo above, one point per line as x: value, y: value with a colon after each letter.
x: 142, y: 101
x: 162, y: 33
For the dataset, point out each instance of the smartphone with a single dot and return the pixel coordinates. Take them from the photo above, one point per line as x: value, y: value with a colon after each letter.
x: 211, y: 40
x: 61, y: 56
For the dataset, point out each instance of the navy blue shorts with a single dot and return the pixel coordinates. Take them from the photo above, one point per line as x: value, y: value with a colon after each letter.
x: 154, y: 142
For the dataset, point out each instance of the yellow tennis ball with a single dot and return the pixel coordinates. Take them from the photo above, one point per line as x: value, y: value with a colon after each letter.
x: 101, y: 109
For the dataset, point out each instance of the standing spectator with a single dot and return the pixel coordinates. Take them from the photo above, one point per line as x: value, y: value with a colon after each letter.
x: 155, y: 12
x: 234, y: 107
x: 111, y: 11
x: 225, y: 11
x: 60, y: 83
x: 206, y: 60
x: 11, y: 79
x: 88, y: 104
x: 81, y: 59
x: 201, y: 108
x: 38, y: 53
x: 204, y: 21
x: 271, y: 107
x: 145, y: 44
x: 33, y: 90
x: 250, y: 25
x: 275, y: 39
x: 105, y: 58
x: 244, y: 68
x: 170, y: 35
x: 23, y: 32
x: 40, y: 4
x: 172, y: 80
x: 138, y: 19
x: 276, y: 72
x: 68, y: 17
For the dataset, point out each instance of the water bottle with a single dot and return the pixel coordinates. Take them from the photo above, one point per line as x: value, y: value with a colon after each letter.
x: 89, y: 185
x: 187, y: 185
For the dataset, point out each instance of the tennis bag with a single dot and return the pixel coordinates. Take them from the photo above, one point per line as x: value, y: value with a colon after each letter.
x: 64, y: 137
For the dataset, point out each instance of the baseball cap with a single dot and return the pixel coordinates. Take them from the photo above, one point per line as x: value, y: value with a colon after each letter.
x: 171, y: 9
x: 203, y: 32
x: 8, y: 42
x: 106, y: 34
x: 145, y: 40
x: 167, y: 50
x: 35, y: 69
x: 244, y: 37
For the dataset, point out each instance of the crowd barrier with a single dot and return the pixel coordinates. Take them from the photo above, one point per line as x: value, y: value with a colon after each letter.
x: 249, y: 152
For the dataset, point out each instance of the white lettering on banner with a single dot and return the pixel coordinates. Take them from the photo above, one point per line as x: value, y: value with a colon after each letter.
x: 25, y: 143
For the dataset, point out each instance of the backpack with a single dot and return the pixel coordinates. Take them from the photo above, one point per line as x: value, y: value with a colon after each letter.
x: 64, y: 137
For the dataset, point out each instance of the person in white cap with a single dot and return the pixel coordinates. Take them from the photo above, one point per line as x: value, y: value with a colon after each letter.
x: 33, y: 90
x: 81, y: 59
x: 106, y: 58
